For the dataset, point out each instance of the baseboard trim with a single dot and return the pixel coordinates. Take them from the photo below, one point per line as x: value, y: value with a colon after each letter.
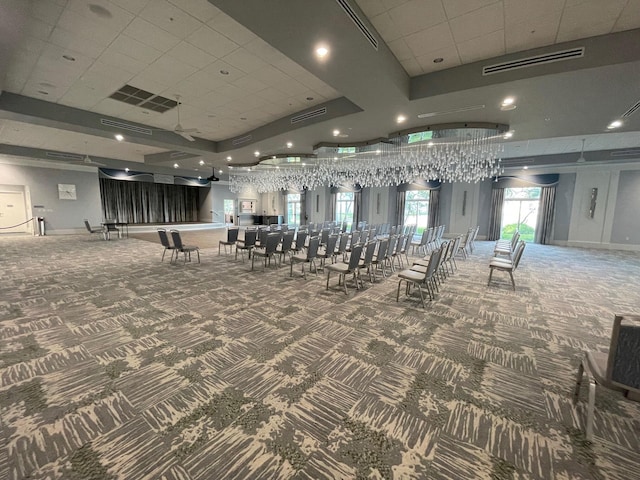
x: 598, y: 245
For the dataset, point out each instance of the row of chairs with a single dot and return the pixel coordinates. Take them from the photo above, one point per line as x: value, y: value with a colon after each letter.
x: 436, y: 266
x: 507, y: 255
x: 177, y: 247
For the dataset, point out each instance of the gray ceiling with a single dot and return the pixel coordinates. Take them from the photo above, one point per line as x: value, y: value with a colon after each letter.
x: 244, y: 69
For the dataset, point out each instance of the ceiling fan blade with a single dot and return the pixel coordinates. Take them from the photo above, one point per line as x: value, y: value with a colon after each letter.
x: 185, y: 135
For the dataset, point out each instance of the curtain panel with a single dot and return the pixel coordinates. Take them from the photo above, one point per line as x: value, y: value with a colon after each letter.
x: 400, y: 201
x: 546, y: 212
x: 357, y: 206
x: 434, y: 208
x: 144, y: 202
x: 495, y: 218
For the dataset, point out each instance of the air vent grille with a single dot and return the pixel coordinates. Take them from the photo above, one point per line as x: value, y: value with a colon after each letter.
x: 632, y: 110
x: 359, y: 23
x: 514, y: 162
x: 64, y: 156
x: 455, y: 110
x: 125, y: 126
x: 631, y: 152
x: 178, y: 154
x: 143, y: 99
x: 534, y: 61
x: 308, y: 115
x: 241, y: 140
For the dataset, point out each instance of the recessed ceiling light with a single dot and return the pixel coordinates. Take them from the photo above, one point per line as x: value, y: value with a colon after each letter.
x: 249, y: 169
x: 69, y: 57
x: 304, y: 164
x: 175, y: 165
x: 256, y: 153
x: 438, y: 60
x: 336, y: 132
x: 224, y: 72
x: 277, y: 167
x: 309, y: 98
x: 289, y: 144
x: 508, y: 101
x: 430, y: 144
x: 525, y: 167
x: 508, y: 134
x: 401, y: 118
x: 201, y: 162
x: 126, y: 169
x: 230, y: 167
x: 228, y: 159
x: 378, y: 151
x: 508, y: 104
x: 273, y: 156
x: 100, y: 11
x: 243, y: 118
x: 199, y: 177
x: 614, y: 124
x: 119, y: 137
x: 322, y: 51
x: 220, y: 171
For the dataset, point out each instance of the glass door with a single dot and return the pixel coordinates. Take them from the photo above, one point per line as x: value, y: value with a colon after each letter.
x: 520, y: 212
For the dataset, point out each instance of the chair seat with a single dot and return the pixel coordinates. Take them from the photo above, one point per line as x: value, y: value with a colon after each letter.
x: 411, y: 275
x: 419, y: 268
x: 338, y: 267
x: 598, y: 366
x: 501, y: 264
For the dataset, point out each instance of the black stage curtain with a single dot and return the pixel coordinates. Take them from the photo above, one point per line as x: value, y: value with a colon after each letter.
x: 145, y: 202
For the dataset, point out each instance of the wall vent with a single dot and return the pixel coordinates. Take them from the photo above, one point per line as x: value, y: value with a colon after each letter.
x: 515, y: 162
x: 634, y: 108
x: 241, y: 140
x: 630, y: 152
x: 303, y: 117
x: 534, y: 61
x: 64, y: 156
x: 455, y: 110
x: 358, y: 22
x: 125, y: 126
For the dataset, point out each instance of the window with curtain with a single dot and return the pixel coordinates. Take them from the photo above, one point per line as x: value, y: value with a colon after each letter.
x: 345, y: 208
x: 293, y: 208
x: 416, y: 209
x: 520, y: 212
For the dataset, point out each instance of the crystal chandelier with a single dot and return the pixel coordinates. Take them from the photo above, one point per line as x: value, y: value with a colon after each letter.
x: 449, y: 153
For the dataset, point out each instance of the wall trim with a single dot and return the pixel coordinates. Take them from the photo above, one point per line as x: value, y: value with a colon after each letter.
x: 598, y: 245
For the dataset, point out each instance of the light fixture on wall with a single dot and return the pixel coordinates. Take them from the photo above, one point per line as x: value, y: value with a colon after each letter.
x: 464, y: 203
x: 455, y: 152
x: 592, y: 204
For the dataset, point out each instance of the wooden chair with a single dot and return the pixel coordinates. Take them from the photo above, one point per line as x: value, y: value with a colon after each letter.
x: 619, y: 369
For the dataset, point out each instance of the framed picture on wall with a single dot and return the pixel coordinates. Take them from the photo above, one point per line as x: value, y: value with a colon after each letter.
x: 66, y: 191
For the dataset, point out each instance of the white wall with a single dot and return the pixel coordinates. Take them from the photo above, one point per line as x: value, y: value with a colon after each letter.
x: 378, y: 205
x: 458, y: 222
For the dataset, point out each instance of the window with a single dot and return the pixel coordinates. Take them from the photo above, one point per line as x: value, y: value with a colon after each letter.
x: 520, y: 212
x: 416, y: 209
x: 228, y: 210
x: 344, y: 207
x: 293, y: 209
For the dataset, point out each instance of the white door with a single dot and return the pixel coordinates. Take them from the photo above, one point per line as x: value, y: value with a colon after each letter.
x: 13, y: 212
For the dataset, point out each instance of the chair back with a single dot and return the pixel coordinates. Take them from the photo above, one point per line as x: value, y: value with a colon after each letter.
x: 372, y: 234
x: 177, y: 240
x: 273, y: 239
x: 263, y: 233
x: 455, y: 248
x: 355, y: 237
x: 287, y: 241
x: 354, y: 259
x: 301, y: 239
x: 342, y: 244
x: 623, y: 365
x: 250, y: 238
x: 382, y: 249
x: 443, y: 252
x: 392, y: 245
x: 312, y: 250
x: 86, y: 224
x: 164, y: 239
x: 324, y: 235
x: 330, y: 248
x: 368, y: 253
x: 518, y: 255
x: 232, y: 235
x: 425, y: 237
x: 434, y: 261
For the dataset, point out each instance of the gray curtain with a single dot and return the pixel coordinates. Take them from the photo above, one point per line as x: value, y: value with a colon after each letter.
x: 303, y: 207
x: 332, y: 206
x: 400, y: 199
x: 495, y: 218
x: 434, y: 208
x: 545, y: 215
x: 357, y: 206
x: 145, y: 202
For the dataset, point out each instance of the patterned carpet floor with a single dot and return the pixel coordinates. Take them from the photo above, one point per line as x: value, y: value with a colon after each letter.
x: 114, y: 365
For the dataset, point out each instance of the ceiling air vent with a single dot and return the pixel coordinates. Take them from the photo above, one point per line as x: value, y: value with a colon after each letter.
x: 64, y: 156
x: 303, y: 117
x: 359, y: 23
x: 630, y: 152
x: 125, y: 126
x: 241, y: 140
x: 534, y: 61
x: 141, y: 98
x: 517, y: 162
x: 455, y: 110
x: 632, y: 110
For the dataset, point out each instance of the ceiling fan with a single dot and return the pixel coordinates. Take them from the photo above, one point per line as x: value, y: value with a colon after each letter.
x: 87, y: 160
x: 178, y: 129
x: 581, y: 158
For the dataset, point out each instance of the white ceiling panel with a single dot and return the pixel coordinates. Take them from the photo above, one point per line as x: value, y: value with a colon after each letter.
x: 87, y: 28
x: 211, y: 41
x: 131, y: 47
x: 449, y: 55
x: 482, y: 47
x: 133, y: 6
x: 437, y: 37
x: 244, y: 60
x: 478, y: 23
x: 629, y: 18
x: 535, y: 32
x: 200, y: 9
x: 170, y: 18
x: 231, y: 29
x: 151, y: 35
x: 46, y: 11
x: 191, y: 55
x: 102, y: 12
x: 416, y: 15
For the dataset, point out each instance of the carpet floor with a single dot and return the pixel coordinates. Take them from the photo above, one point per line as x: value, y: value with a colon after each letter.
x: 114, y: 365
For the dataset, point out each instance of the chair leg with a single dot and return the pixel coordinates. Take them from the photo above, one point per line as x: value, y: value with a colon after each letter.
x: 421, y: 296
x: 513, y: 283
x: 198, y: 252
x: 592, y: 402
x: 576, y: 392
x: 490, y: 275
x: 328, y: 274
x: 398, y: 292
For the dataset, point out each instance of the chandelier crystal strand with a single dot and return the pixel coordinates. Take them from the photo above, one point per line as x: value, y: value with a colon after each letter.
x: 473, y: 157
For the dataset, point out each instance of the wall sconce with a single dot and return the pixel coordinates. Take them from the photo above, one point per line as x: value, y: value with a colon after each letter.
x: 377, y: 204
x: 464, y: 203
x: 592, y: 205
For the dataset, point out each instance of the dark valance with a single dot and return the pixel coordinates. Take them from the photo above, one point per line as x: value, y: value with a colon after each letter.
x: 519, y: 181
x: 132, y: 176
